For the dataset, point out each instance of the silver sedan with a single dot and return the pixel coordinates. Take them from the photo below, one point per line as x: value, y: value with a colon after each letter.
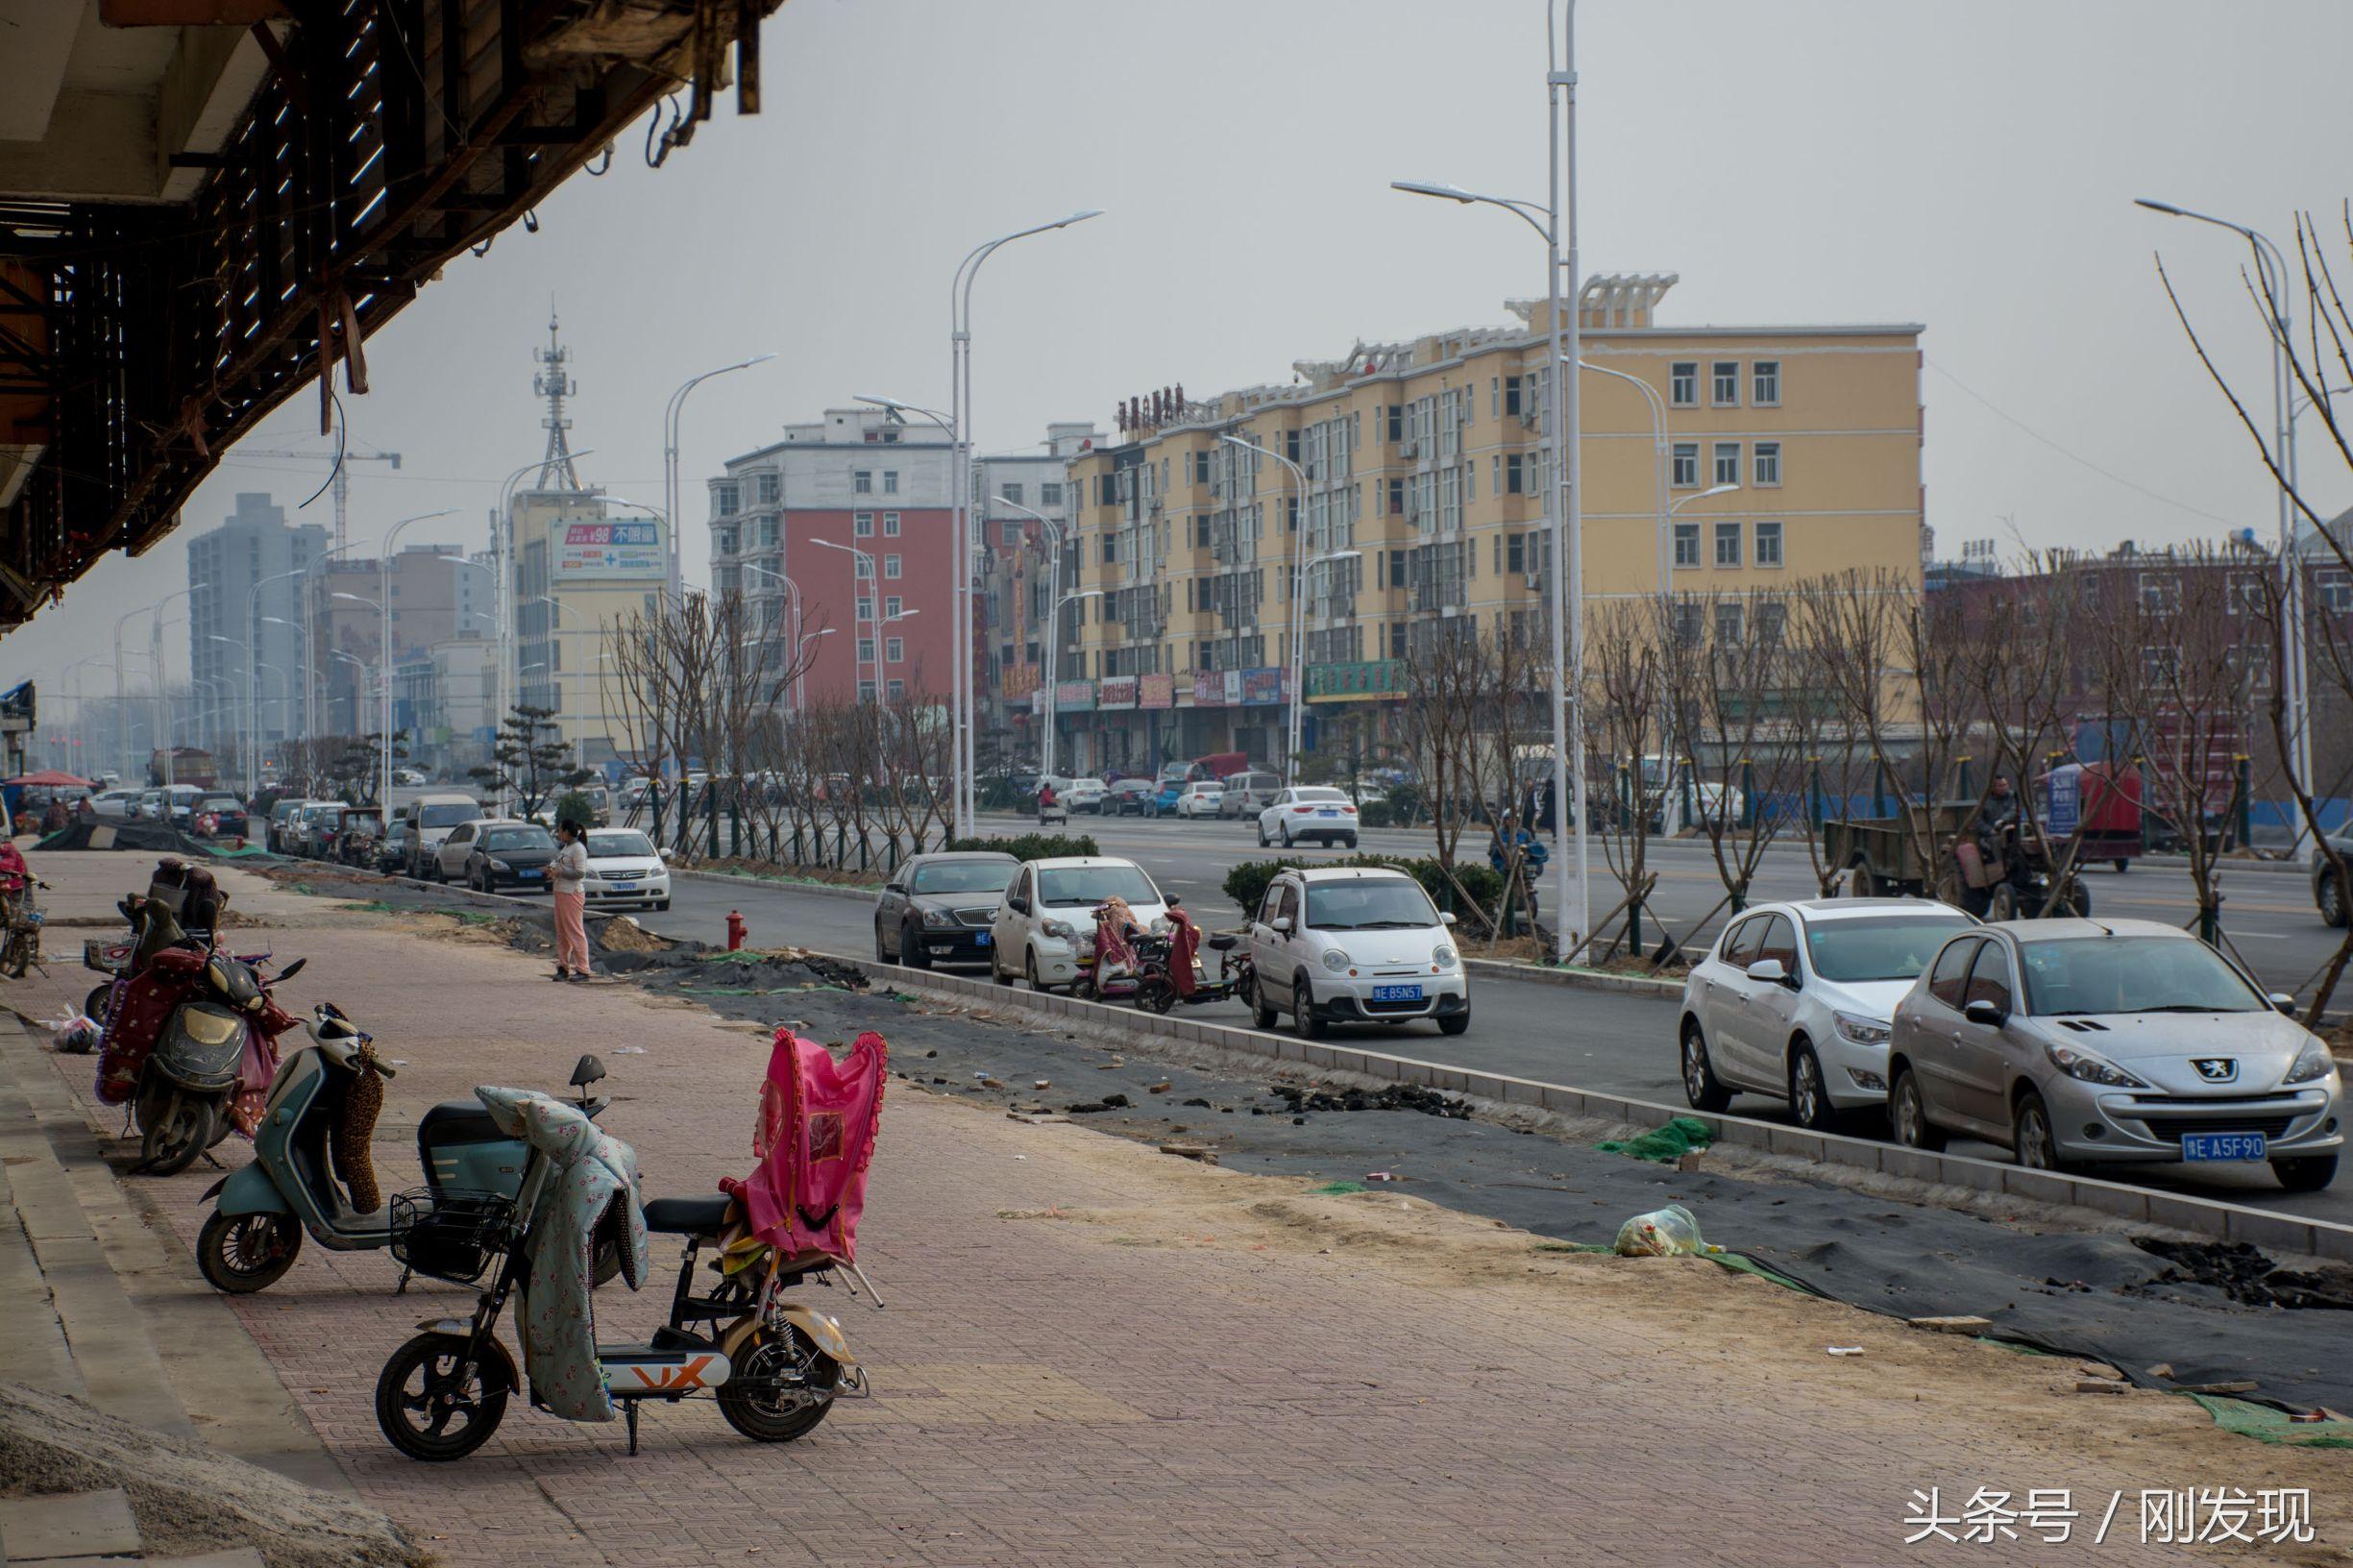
x: 2077, y: 1041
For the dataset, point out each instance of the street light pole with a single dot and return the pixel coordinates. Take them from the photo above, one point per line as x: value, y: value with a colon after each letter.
x: 857, y: 664
x: 960, y: 415
x: 1299, y: 565
x: 671, y: 414
x: 2273, y: 270
x: 1053, y: 652
x: 384, y: 578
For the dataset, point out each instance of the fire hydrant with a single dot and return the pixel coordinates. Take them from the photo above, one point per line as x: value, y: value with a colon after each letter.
x: 735, y: 930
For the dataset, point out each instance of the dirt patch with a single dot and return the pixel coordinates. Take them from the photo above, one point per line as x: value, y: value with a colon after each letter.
x: 1395, y: 1097
x: 623, y: 935
x: 185, y: 1499
x: 2246, y: 1273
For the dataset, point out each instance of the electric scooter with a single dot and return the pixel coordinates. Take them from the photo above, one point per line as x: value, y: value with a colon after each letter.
x: 311, y: 1172
x: 1169, y: 967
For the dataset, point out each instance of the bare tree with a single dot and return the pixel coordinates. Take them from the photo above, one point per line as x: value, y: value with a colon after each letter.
x: 1624, y: 714
x: 1738, y: 669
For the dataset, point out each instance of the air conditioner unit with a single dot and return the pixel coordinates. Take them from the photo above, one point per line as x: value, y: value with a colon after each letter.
x: 1409, y: 448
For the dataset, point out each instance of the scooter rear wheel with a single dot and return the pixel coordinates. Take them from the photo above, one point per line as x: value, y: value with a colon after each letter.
x: 427, y: 1409
x: 244, y: 1252
x: 99, y: 1003
x: 761, y: 1398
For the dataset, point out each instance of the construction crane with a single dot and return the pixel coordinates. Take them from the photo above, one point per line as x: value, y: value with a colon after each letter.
x: 353, y: 452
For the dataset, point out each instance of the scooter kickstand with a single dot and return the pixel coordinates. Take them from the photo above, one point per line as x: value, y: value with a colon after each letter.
x: 628, y: 1411
x: 402, y: 1289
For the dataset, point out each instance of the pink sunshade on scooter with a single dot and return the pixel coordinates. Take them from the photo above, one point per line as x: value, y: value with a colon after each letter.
x: 818, y: 1118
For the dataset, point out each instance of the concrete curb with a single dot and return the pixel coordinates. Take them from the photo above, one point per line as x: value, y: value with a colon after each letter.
x: 1633, y: 985
x: 2265, y: 1228
x: 786, y: 884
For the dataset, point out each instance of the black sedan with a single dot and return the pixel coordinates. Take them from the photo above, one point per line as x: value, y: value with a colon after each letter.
x: 509, y: 855
x: 936, y: 909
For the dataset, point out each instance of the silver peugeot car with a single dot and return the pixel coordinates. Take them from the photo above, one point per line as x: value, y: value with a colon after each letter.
x: 2080, y: 1041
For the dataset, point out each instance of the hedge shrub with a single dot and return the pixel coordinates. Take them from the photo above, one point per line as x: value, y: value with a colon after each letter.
x: 1033, y: 845
x: 1246, y: 883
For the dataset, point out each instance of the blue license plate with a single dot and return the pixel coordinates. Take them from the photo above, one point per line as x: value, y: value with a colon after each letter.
x: 528, y: 875
x: 1397, y: 994
x: 2198, y: 1147
x: 1327, y: 813
x: 624, y: 887
x: 980, y: 938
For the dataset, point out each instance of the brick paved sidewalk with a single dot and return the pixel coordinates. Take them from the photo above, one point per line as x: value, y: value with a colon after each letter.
x: 1055, y: 1391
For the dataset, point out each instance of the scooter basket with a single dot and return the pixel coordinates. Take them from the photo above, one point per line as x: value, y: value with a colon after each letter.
x: 106, y: 955
x: 452, y: 1236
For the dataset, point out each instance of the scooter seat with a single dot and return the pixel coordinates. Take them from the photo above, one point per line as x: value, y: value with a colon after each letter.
x: 1224, y: 942
x: 701, y: 1216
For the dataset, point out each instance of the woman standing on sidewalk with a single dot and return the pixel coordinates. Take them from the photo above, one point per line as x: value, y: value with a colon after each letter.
x: 566, y: 874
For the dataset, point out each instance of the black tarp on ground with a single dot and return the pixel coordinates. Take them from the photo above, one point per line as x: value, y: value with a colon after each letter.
x: 151, y: 837
x: 2091, y: 1293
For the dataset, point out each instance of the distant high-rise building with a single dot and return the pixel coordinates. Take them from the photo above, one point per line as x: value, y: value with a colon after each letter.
x: 245, y: 648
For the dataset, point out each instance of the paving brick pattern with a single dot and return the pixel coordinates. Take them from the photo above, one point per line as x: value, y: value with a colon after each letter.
x: 1043, y: 1398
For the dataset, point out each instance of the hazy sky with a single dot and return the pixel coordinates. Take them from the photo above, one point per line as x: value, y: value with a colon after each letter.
x: 1970, y: 166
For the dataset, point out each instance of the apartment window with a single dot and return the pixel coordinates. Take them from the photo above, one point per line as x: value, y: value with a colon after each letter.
x: 1049, y: 493
x: 862, y: 524
x: 1727, y: 379
x: 1013, y: 492
x: 1686, y: 544
x: 1728, y: 620
x: 866, y: 650
x: 1110, y: 547
x: 2159, y: 594
x: 890, y: 567
x: 866, y: 607
x: 1765, y: 384
x: 768, y: 536
x: 1727, y: 462
x: 862, y: 481
x: 890, y: 482
x: 1683, y: 383
x: 898, y: 689
x: 1397, y: 498
x: 1397, y: 422
x: 769, y: 486
x: 1686, y: 475
x: 1772, y: 620
x: 723, y: 541
x: 1511, y: 395
x: 894, y: 651
x: 1514, y: 473
x: 1290, y: 445
x: 1397, y: 569
x: 866, y: 565
x: 1768, y: 544
x: 1768, y: 462
x: 892, y: 604
x: 1728, y: 544
x: 865, y: 690
x: 722, y: 495
x: 2336, y: 591
x: 890, y: 524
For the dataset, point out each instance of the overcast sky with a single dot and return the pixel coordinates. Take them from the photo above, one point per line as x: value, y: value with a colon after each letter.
x: 1969, y: 166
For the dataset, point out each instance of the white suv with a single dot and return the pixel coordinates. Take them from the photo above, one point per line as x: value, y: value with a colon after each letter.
x: 1356, y: 945
x: 1045, y: 920
x: 1794, y: 1001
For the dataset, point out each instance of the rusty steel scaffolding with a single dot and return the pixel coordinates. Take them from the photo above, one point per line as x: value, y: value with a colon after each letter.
x: 387, y: 136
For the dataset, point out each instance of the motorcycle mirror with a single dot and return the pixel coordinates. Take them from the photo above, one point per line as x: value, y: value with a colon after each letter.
x: 589, y: 1070
x: 290, y: 972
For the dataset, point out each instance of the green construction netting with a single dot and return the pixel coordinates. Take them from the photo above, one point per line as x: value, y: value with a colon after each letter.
x: 2268, y: 1425
x: 1663, y: 1144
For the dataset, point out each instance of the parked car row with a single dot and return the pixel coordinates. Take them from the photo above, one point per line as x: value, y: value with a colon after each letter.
x: 2071, y: 1042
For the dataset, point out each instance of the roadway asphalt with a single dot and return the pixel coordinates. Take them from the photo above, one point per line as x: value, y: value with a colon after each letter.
x: 1597, y: 1039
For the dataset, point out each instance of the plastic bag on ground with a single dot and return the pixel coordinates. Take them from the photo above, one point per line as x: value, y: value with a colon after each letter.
x: 76, y: 1033
x: 1664, y: 1233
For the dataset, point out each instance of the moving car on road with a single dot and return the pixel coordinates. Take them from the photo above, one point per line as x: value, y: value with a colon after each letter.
x: 1199, y: 799
x: 624, y: 867
x: 1048, y: 911
x: 1248, y: 793
x: 2079, y: 1041
x: 1354, y: 944
x: 502, y: 852
x: 1085, y: 795
x: 1308, y: 813
x: 938, y: 909
x: 1794, y: 1001
x: 2328, y: 891
x: 1130, y: 797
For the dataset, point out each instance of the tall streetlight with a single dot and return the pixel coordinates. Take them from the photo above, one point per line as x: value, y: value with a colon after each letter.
x: 1053, y: 669
x: 155, y: 653
x: 959, y: 419
x: 793, y: 608
x: 860, y: 572
x: 215, y: 637
x: 285, y: 686
x: 1658, y: 455
x: 671, y: 413
x: 1053, y: 658
x: 1299, y: 633
x: 1299, y: 552
x: 2272, y: 269
x: 256, y: 620
x: 882, y: 646
x: 384, y: 578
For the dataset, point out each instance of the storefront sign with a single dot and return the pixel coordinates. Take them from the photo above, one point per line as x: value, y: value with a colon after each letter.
x: 1116, y: 692
x: 1209, y: 689
x: 1075, y: 697
x: 1155, y: 692
x: 1259, y: 686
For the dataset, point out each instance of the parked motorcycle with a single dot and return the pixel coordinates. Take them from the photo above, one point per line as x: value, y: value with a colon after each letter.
x: 20, y: 946
x: 1169, y: 971
x: 190, y: 1041
x: 311, y: 1170
x: 1108, y: 961
x: 774, y: 1366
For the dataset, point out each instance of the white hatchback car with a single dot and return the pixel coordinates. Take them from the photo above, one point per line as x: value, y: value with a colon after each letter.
x: 1200, y: 798
x: 1794, y: 1001
x: 1045, y: 920
x: 624, y: 867
x: 1354, y: 944
x: 1309, y: 812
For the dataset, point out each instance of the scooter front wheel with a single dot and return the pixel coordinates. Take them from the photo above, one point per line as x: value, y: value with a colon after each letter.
x: 426, y: 1405
x: 181, y: 1130
x: 244, y: 1252
x: 781, y: 1389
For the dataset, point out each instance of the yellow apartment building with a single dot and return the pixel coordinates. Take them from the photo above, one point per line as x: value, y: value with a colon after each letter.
x: 1417, y: 507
